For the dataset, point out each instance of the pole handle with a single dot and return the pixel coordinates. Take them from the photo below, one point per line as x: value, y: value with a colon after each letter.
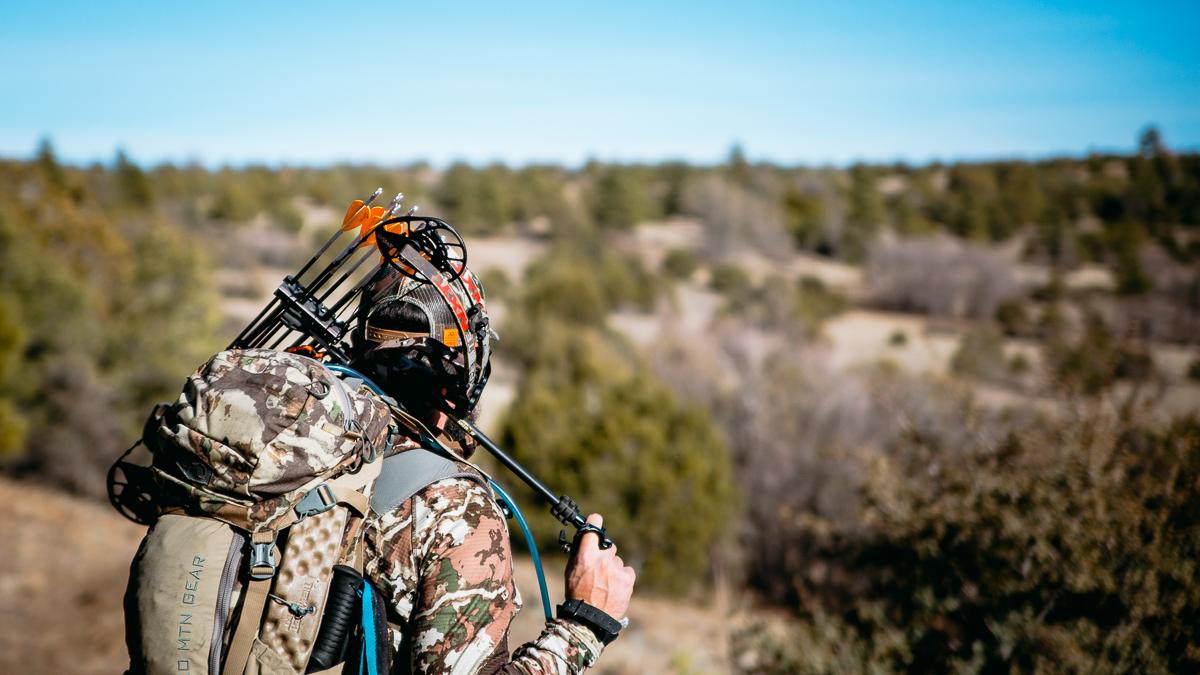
x: 562, y: 507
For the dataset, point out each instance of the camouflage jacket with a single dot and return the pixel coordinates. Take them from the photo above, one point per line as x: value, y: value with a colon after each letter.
x: 443, y: 561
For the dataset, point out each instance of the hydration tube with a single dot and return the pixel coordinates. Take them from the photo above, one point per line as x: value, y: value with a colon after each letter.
x: 533, y: 552
x: 508, y: 502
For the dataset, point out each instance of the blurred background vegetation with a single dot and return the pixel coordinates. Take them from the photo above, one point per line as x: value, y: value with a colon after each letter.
x: 918, y: 418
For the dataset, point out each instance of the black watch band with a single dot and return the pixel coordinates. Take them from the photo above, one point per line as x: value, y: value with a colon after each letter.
x: 604, y: 626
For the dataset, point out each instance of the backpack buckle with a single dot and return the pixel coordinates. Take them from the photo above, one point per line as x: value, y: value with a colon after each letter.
x: 262, y: 560
x: 318, y: 500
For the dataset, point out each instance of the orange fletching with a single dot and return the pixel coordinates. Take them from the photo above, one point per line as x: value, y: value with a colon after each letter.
x: 349, y: 221
x: 368, y: 222
x: 359, y: 218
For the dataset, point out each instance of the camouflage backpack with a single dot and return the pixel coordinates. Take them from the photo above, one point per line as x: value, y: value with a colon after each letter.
x: 262, y: 473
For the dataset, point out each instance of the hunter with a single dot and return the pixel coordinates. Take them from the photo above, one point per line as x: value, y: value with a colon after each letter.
x: 297, y: 474
x: 441, y: 558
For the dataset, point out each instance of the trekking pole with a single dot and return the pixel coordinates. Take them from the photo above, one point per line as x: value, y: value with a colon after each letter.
x: 562, y: 507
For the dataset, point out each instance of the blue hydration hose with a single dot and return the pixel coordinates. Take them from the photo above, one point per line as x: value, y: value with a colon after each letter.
x: 533, y: 552
x: 369, y: 659
x: 509, y: 504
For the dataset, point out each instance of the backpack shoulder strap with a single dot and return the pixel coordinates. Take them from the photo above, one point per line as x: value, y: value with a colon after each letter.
x: 253, y: 604
x: 407, y: 473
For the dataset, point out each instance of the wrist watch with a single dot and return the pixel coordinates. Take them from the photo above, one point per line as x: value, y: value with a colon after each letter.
x: 604, y: 626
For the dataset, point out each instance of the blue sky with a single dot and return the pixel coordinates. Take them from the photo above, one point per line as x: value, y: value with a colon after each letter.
x: 792, y: 82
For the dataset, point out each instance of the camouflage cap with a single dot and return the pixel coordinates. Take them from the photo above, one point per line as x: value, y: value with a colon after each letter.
x: 456, y: 343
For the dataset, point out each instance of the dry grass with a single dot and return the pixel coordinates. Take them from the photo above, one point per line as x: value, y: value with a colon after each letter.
x: 61, y: 581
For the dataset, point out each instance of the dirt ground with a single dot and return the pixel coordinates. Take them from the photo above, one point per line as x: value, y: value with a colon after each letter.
x: 63, y: 574
x: 61, y: 581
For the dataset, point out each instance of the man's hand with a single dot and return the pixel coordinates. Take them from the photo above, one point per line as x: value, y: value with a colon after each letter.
x: 598, y: 576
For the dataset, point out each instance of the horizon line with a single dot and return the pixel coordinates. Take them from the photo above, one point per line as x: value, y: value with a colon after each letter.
x: 576, y: 165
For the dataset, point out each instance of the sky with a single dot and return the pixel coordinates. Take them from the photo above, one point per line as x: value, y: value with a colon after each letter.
x: 791, y: 82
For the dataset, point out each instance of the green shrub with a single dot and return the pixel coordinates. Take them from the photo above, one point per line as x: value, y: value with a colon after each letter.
x: 798, y: 309
x: 12, y: 338
x: 286, y: 216
x: 132, y: 184
x: 567, y: 284
x: 805, y: 217
x: 680, y: 263
x: 234, y: 202
x: 477, y: 201
x: 1013, y: 317
x: 621, y: 197
x: 815, y: 303
x: 729, y: 279
x: 1018, y: 364
x: 1052, y: 291
x: 1096, y: 360
x: 594, y: 425
x: 1133, y: 363
x: 1126, y: 241
x: 496, y: 283
x: 626, y: 281
x: 561, y: 288
x: 980, y: 354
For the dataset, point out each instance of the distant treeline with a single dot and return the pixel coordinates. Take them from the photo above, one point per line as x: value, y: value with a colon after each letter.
x: 1095, y: 208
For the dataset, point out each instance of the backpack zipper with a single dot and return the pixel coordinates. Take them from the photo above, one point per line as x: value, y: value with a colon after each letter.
x: 224, y: 596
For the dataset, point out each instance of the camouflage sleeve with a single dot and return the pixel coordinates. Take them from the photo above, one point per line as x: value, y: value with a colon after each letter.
x: 466, y: 597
